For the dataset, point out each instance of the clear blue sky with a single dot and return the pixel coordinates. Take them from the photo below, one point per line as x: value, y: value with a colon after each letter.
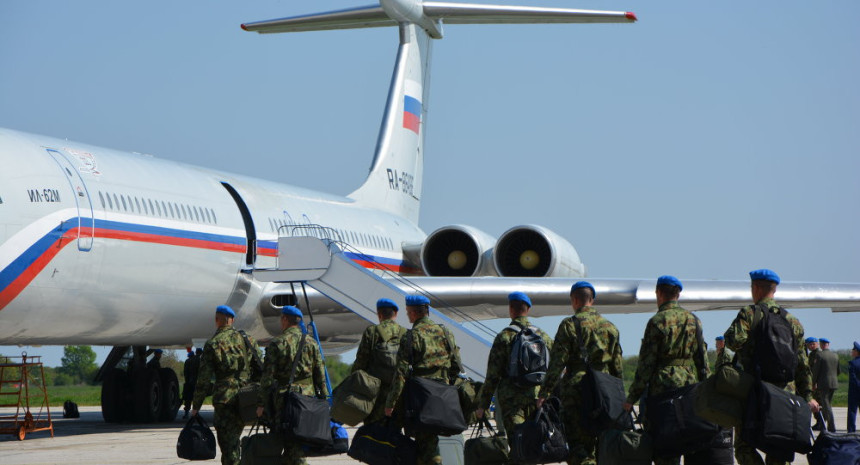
x: 703, y: 141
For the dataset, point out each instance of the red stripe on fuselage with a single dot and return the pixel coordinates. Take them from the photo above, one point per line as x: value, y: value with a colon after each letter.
x: 30, y: 273
x: 169, y: 240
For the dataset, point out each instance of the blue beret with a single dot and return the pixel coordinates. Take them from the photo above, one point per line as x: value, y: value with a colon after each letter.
x: 198, y: 351
x: 581, y: 284
x: 670, y: 280
x: 158, y: 351
x: 190, y: 354
x: 857, y: 346
x: 223, y: 309
x: 764, y: 275
x: 417, y: 299
x: 811, y: 339
x: 721, y: 338
x: 824, y: 340
x: 292, y: 311
x: 519, y: 296
x: 382, y: 303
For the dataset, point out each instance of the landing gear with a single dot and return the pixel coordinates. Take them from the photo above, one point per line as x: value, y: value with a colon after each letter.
x: 135, y: 392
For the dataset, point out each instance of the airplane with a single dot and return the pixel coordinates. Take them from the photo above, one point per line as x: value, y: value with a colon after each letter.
x: 143, y: 248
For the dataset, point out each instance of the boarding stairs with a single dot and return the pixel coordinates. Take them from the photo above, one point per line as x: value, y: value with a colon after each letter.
x: 322, y: 264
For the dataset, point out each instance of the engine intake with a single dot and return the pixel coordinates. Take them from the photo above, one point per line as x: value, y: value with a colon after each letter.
x: 457, y: 250
x: 535, y: 251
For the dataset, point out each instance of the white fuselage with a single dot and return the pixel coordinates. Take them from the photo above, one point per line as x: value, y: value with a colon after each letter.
x: 103, y: 247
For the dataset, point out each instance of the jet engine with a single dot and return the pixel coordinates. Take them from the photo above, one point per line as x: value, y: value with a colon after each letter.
x: 457, y: 250
x: 535, y: 251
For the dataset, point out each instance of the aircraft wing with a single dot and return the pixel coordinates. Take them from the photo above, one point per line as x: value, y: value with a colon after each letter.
x: 486, y: 297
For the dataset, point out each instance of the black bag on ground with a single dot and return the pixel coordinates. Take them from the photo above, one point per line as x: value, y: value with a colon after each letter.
x: 196, y: 441
x: 775, y: 351
x: 777, y: 422
x: 485, y: 450
x: 541, y: 439
x: 624, y: 447
x: 720, y: 451
x: 378, y: 444
x: 674, y: 426
x: 433, y: 407
x: 261, y: 448
x: 70, y: 410
x: 603, y: 396
x: 339, y: 443
x: 835, y: 448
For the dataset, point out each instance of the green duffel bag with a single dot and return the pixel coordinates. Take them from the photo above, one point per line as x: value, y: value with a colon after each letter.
x: 467, y: 390
x: 485, y: 450
x: 261, y: 448
x: 734, y: 382
x: 716, y: 407
x: 624, y: 447
x: 248, y: 402
x: 353, y: 398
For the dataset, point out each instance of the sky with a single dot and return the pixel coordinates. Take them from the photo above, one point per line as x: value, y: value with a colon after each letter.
x: 703, y: 141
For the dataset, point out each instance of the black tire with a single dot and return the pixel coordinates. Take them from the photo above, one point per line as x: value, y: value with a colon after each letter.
x: 148, y: 395
x: 171, y: 401
x: 114, y: 393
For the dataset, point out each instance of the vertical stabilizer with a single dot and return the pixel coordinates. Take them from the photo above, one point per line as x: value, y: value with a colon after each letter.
x: 395, y: 179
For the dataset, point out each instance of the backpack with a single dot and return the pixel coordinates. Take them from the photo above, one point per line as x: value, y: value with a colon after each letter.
x: 384, y: 359
x: 775, y: 350
x: 529, y: 356
x: 70, y: 410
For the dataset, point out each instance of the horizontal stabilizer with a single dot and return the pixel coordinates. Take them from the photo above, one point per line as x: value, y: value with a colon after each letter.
x: 449, y: 13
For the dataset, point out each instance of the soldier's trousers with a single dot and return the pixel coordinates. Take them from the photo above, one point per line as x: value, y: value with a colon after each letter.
x: 293, y: 454
x: 825, y: 399
x: 228, y: 429
x: 428, y: 449
x: 581, y: 442
x: 516, y: 413
x: 853, y: 405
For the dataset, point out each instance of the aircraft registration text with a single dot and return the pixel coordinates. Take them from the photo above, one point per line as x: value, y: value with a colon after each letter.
x: 404, y: 182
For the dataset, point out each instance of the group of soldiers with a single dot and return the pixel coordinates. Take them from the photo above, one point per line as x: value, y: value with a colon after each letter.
x: 672, y: 355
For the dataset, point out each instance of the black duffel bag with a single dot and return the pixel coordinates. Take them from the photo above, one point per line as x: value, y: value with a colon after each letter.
x: 379, y: 444
x: 720, y: 451
x: 673, y: 424
x: 433, y: 407
x: 624, y: 447
x: 777, y: 422
x: 196, y: 441
x: 541, y: 439
x: 306, y: 419
x: 261, y: 448
x: 485, y: 450
x: 835, y: 448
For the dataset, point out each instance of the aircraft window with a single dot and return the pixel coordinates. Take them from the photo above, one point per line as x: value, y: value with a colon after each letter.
x: 208, y: 218
x: 172, y: 214
x: 271, y: 225
x: 137, y: 202
x: 197, y: 214
x: 157, y: 207
x: 116, y: 201
x: 145, y: 208
x: 124, y: 206
x: 213, y: 216
x: 151, y: 208
x: 102, y: 198
x: 110, y: 202
x: 184, y: 211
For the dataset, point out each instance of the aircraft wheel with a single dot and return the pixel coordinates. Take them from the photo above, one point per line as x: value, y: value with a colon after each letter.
x: 171, y: 401
x: 148, y: 395
x: 114, y: 391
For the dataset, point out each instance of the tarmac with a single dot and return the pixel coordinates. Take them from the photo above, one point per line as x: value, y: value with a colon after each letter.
x: 89, y: 440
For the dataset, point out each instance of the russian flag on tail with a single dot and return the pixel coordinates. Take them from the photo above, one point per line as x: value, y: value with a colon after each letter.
x: 411, y: 113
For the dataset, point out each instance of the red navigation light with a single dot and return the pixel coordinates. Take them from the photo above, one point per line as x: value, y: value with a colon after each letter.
x: 629, y: 15
x: 246, y: 27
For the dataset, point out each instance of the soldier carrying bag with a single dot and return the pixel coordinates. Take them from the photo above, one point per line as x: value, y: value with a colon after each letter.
x: 602, y: 395
x: 305, y: 418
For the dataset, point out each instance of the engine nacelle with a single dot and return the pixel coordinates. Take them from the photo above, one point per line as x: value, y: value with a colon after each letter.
x: 535, y: 251
x: 457, y: 250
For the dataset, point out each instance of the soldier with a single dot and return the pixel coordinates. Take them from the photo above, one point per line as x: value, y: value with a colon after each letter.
x: 377, y: 355
x: 189, y: 373
x: 671, y: 355
x: 309, y: 379
x: 824, y: 381
x: 853, y: 387
x: 225, y: 366
x: 741, y: 339
x: 516, y: 401
x: 812, y: 352
x: 724, y: 356
x: 155, y: 362
x: 434, y: 354
x: 604, y: 354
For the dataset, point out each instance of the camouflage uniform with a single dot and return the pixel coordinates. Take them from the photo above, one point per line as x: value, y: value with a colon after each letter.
x: 309, y: 379
x: 667, y: 356
x: 225, y: 366
x: 365, y: 359
x: 434, y: 355
x: 517, y: 403
x: 813, y: 358
x: 724, y: 357
x: 738, y: 338
x: 604, y: 354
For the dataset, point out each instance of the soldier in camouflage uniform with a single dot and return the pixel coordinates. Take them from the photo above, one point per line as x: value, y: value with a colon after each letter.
x: 740, y: 338
x: 374, y: 357
x: 724, y: 356
x: 309, y: 379
x: 225, y: 366
x: 434, y: 355
x: 601, y: 340
x: 813, y: 351
x: 671, y: 354
x: 516, y: 402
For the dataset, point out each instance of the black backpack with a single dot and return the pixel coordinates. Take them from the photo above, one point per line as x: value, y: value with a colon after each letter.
x: 70, y: 410
x: 529, y: 356
x: 775, y: 349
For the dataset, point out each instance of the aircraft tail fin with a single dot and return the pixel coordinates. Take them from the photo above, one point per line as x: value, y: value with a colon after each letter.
x: 395, y: 179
